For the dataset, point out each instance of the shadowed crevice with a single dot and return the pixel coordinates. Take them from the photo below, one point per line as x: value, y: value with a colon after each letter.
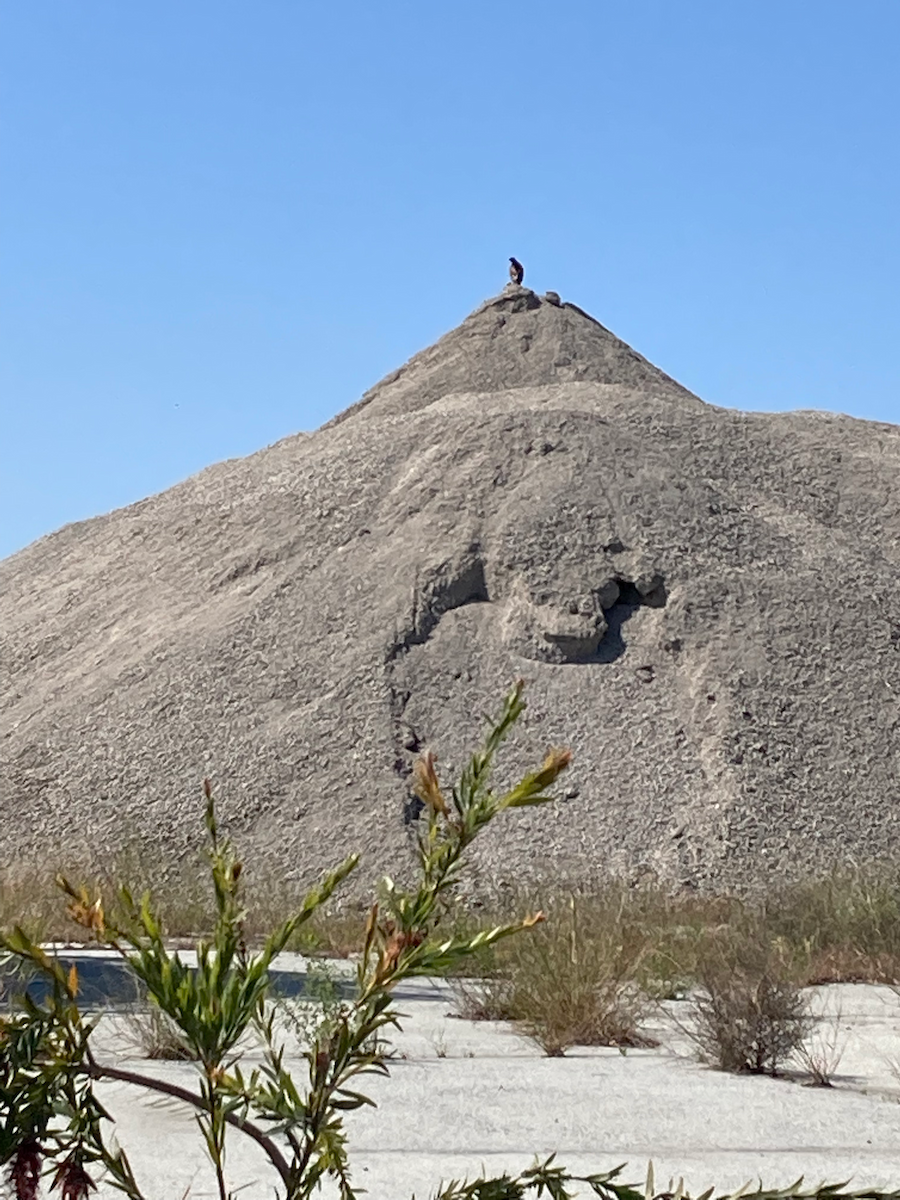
x: 631, y: 597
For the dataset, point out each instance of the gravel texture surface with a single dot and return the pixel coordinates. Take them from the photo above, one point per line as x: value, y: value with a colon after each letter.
x: 705, y: 604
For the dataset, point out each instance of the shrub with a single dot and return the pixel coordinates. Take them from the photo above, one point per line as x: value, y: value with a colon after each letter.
x: 320, y: 1011
x: 577, y: 982
x: 749, y: 1014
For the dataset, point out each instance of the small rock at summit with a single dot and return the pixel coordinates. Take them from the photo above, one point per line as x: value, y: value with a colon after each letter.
x: 704, y: 603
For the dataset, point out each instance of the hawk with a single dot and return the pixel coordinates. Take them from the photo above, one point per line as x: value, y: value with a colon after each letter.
x: 516, y: 270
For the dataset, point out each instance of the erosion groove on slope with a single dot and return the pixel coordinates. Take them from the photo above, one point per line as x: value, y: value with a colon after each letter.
x: 443, y: 589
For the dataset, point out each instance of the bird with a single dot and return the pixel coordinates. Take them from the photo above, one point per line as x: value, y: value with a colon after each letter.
x: 516, y: 270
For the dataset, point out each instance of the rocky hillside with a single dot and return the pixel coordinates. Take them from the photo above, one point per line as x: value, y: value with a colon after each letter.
x: 706, y: 604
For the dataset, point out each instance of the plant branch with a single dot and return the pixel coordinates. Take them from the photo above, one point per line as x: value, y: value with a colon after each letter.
x: 99, y: 1071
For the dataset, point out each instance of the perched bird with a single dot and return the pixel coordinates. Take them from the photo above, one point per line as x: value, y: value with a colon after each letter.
x: 516, y: 270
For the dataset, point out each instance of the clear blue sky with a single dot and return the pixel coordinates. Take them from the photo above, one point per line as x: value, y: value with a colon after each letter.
x: 222, y: 221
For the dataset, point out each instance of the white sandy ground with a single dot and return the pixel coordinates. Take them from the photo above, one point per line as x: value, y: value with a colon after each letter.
x: 465, y: 1098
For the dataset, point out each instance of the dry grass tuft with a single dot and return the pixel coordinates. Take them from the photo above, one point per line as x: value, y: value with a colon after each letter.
x: 571, y: 981
x: 841, y: 927
x: 152, y: 1034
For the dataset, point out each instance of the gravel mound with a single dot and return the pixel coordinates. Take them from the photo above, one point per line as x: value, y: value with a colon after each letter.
x: 704, y: 602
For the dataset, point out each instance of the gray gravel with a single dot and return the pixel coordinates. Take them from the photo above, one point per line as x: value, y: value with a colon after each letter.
x: 705, y: 604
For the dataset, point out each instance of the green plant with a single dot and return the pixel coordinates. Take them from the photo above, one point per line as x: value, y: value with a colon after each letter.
x: 48, y: 1111
x: 313, y: 1017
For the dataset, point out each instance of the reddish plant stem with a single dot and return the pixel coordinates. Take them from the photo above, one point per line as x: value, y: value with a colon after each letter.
x: 279, y: 1162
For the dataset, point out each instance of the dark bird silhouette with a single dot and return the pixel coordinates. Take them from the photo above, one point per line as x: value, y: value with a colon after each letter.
x: 516, y: 270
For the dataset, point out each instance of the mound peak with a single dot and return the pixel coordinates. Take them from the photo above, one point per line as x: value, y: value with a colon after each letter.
x: 514, y: 340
